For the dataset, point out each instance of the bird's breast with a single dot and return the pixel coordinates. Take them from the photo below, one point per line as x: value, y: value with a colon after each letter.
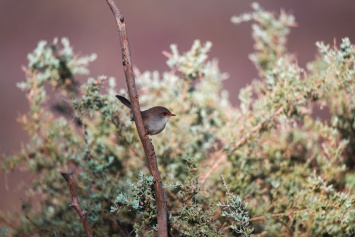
x: 154, y: 124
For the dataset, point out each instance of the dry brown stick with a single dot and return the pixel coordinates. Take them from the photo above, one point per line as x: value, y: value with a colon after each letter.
x: 68, y: 176
x: 147, y: 144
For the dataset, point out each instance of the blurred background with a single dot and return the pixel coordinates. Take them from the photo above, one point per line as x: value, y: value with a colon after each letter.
x: 152, y: 26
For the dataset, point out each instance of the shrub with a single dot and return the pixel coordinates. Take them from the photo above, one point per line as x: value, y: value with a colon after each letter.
x: 286, y: 171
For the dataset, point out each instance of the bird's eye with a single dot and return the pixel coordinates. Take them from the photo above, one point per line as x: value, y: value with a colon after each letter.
x: 164, y: 113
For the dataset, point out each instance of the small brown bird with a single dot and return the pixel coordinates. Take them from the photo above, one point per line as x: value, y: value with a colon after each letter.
x: 154, y: 119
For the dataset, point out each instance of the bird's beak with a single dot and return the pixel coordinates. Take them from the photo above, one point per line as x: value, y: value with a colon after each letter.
x: 171, y: 114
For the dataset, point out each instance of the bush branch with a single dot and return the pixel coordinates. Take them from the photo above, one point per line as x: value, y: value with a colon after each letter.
x: 68, y: 176
x: 147, y: 144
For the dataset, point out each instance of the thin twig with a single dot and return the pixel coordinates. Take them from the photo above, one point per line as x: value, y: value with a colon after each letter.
x: 289, y: 215
x: 68, y: 176
x: 239, y: 143
x: 147, y: 144
x: 214, y: 167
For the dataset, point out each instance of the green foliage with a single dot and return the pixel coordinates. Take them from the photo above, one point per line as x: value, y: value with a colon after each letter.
x: 3, y: 231
x: 236, y: 210
x: 193, y: 212
x: 286, y: 171
x: 142, y: 203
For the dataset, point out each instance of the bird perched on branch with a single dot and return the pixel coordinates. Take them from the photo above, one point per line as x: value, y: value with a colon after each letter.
x: 154, y: 119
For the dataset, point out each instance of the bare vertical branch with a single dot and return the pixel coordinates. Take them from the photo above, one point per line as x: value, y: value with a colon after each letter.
x: 68, y: 176
x: 147, y: 144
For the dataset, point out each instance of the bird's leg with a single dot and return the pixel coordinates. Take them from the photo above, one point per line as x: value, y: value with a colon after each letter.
x: 146, y: 132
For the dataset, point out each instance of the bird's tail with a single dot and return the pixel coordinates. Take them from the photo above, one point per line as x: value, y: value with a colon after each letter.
x: 124, y: 101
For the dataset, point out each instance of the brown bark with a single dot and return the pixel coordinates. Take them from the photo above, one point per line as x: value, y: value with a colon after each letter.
x: 68, y: 176
x: 160, y: 197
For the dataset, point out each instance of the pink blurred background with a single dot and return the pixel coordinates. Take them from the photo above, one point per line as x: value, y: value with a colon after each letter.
x: 152, y: 26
